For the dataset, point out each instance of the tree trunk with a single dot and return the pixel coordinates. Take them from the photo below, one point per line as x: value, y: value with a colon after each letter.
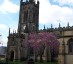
x: 48, y: 54
x: 35, y: 54
x: 35, y: 57
x: 41, y: 59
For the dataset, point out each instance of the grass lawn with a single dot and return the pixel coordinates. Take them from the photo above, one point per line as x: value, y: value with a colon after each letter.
x: 45, y: 62
x: 35, y: 63
x: 18, y: 62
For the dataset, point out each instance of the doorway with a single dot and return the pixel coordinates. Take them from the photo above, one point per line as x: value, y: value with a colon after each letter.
x: 11, y: 55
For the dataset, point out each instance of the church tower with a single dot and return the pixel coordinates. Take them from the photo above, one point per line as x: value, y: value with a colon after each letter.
x: 29, y: 17
x: 28, y: 22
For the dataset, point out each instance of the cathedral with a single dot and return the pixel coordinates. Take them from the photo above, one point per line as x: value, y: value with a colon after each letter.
x: 29, y: 22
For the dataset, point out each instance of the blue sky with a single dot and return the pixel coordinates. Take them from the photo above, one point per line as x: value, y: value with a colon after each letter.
x: 51, y: 12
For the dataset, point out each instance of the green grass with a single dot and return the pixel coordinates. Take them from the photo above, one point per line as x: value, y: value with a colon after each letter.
x: 45, y: 62
x: 18, y: 62
x: 35, y: 62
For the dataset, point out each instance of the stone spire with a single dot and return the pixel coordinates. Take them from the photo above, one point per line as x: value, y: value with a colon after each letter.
x: 59, y: 25
x: 38, y: 1
x: 21, y: 0
x: 51, y: 26
x: 9, y: 31
x: 44, y: 26
x: 68, y: 25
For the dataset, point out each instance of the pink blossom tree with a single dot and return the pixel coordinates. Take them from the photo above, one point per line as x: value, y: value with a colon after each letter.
x: 38, y: 41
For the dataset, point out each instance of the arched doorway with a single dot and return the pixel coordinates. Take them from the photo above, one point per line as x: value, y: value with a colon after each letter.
x: 11, y: 55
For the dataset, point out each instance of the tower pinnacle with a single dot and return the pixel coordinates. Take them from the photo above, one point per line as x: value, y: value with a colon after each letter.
x: 21, y: 0
x: 44, y: 26
x: 9, y: 31
x: 59, y: 25
x: 51, y: 26
x: 68, y: 24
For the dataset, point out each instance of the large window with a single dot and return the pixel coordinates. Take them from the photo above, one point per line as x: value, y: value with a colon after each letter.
x: 70, y: 45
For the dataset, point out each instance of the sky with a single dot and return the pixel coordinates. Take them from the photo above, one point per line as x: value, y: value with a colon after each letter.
x: 50, y: 12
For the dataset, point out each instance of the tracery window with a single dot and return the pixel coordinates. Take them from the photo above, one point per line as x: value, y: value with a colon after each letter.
x: 70, y: 45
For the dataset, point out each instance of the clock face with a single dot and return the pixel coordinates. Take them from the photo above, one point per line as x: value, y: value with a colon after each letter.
x: 24, y: 27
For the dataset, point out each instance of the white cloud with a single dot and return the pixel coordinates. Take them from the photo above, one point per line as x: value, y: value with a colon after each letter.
x: 4, y: 33
x: 53, y: 14
x: 63, y: 2
x: 8, y: 6
x: 3, y: 27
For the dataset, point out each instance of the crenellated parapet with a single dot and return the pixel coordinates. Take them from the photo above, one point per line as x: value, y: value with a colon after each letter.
x: 61, y: 28
x: 14, y: 34
x: 67, y: 28
x: 29, y: 2
x: 58, y: 32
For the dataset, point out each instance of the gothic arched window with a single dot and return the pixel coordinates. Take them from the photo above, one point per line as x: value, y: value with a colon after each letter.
x: 70, y: 45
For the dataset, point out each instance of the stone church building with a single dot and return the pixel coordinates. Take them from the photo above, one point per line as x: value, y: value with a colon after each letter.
x: 29, y: 22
